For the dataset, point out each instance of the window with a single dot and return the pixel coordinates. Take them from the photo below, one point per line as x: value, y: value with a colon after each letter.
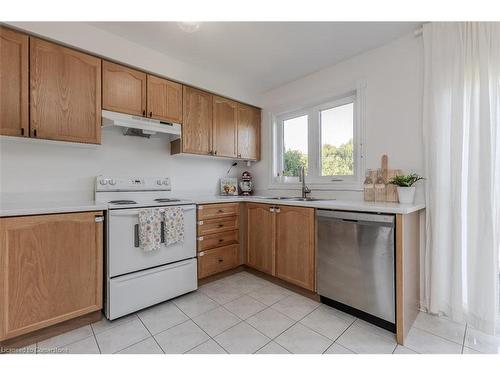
x: 337, y: 136
x: 294, y: 145
x: 325, y: 140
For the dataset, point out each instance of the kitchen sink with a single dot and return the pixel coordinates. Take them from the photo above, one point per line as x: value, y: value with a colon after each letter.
x: 300, y: 199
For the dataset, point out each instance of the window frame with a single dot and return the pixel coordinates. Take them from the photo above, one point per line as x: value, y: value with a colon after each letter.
x: 314, y: 178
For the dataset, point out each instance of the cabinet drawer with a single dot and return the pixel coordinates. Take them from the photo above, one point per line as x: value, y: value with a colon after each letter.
x: 217, y: 260
x: 211, y: 211
x: 217, y: 240
x: 211, y: 226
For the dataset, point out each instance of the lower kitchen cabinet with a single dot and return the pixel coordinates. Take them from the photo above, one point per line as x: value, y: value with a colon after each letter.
x: 218, y: 238
x: 295, y: 255
x: 51, y: 268
x: 261, y: 237
x: 281, y: 242
x: 217, y: 260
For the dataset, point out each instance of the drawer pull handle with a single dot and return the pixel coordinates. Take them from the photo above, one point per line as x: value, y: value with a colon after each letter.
x: 221, y: 239
x: 221, y: 260
x: 221, y: 225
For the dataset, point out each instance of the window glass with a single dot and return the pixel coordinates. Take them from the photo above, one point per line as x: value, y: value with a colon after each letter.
x: 337, y: 134
x: 295, y: 151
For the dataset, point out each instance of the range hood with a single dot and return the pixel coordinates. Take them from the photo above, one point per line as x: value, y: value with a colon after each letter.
x: 140, y: 126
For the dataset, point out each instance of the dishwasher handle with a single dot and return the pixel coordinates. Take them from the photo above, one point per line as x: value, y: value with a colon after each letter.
x: 357, y: 217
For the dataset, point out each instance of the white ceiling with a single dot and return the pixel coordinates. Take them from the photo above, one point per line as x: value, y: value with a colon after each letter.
x: 262, y: 55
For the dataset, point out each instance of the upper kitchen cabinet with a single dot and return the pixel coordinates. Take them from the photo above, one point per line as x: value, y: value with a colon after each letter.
x: 248, y: 132
x: 123, y: 89
x: 13, y: 83
x: 164, y: 99
x: 65, y: 89
x: 196, y: 124
x: 225, y: 113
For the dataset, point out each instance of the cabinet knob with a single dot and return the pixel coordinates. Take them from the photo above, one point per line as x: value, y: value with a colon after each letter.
x: 150, y: 114
x: 34, y: 132
x: 144, y: 112
x: 221, y: 225
x: 221, y: 260
x: 221, y: 239
x: 215, y: 152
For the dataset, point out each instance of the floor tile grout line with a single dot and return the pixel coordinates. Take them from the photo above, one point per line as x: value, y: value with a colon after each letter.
x: 157, y: 343
x: 465, y: 335
x: 204, y: 342
x: 440, y: 337
x: 335, y: 341
x: 95, y: 338
x: 68, y: 343
x: 114, y: 326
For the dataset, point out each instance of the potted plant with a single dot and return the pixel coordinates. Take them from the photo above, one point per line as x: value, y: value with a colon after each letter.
x: 404, y: 184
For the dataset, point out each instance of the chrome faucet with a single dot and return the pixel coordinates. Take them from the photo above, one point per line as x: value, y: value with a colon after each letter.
x: 302, y: 178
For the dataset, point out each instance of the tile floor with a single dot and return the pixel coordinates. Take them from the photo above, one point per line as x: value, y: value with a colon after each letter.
x: 243, y: 313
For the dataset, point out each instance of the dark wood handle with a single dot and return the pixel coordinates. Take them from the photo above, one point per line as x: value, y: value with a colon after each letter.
x: 150, y: 114
x: 144, y: 112
x: 221, y: 260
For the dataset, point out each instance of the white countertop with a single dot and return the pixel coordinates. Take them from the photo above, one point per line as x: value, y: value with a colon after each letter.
x: 21, y: 208
x: 361, y: 206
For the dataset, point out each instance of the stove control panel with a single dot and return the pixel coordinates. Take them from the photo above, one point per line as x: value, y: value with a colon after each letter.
x: 108, y: 183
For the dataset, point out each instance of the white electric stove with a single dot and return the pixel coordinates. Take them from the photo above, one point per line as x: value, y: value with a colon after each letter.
x: 135, y: 279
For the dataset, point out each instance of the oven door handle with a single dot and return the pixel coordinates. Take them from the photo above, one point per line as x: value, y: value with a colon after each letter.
x: 136, y: 212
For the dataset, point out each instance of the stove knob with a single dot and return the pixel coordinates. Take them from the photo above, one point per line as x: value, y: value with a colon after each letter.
x: 158, y: 182
x: 103, y: 182
x: 112, y: 182
x: 165, y: 182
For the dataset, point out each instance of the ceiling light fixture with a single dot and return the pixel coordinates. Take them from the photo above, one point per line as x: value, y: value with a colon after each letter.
x: 189, y: 27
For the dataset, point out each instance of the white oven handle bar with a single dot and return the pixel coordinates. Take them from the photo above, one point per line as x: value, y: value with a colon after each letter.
x: 136, y: 212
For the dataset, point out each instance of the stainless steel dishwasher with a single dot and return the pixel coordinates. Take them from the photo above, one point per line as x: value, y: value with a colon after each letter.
x: 355, y: 264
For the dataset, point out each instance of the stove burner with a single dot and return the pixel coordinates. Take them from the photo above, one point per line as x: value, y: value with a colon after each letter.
x: 165, y: 200
x: 123, y: 201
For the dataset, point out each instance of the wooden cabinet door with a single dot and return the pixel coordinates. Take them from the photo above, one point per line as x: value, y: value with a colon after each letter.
x: 261, y: 237
x: 295, y: 250
x: 164, y: 99
x: 51, y: 268
x: 65, y: 88
x: 197, y: 121
x: 224, y: 133
x: 248, y: 132
x: 13, y: 83
x: 123, y: 89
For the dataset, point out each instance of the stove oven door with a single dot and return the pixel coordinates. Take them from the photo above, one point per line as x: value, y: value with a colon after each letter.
x: 124, y: 253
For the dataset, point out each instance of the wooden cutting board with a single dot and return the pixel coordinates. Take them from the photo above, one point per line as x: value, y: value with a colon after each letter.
x: 391, y: 194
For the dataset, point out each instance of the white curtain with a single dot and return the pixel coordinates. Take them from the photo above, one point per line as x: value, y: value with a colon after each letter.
x: 462, y: 151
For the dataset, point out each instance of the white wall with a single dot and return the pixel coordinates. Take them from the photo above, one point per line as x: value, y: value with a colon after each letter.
x: 393, y: 119
x: 64, y: 170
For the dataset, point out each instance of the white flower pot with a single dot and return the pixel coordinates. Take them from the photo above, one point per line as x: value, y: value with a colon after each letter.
x: 406, y: 194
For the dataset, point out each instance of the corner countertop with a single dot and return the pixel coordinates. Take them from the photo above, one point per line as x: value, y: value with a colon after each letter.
x: 48, y: 207
x: 346, y: 205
